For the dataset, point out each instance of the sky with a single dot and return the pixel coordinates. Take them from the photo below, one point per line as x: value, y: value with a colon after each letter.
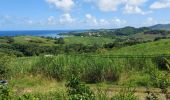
x: 81, y: 14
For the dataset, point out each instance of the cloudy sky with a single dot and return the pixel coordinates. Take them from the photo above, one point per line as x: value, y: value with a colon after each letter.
x: 81, y: 14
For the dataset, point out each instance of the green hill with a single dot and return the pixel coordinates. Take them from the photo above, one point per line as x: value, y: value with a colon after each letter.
x: 126, y: 31
x: 150, y: 48
x: 161, y: 27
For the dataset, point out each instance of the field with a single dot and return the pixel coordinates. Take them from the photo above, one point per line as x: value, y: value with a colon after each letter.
x: 108, y: 72
x: 68, y: 40
x: 88, y: 40
x: 151, y: 48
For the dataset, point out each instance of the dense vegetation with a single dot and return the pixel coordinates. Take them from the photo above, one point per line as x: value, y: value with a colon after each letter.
x: 126, y: 31
x: 85, y: 67
x: 31, y: 46
x: 111, y: 32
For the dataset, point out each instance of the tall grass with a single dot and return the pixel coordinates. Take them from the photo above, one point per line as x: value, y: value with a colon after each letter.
x: 90, y: 69
x: 125, y: 94
x: 5, y: 66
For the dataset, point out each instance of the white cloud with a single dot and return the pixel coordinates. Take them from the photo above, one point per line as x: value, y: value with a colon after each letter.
x: 103, y: 23
x: 62, y: 21
x: 133, y: 10
x: 160, y: 4
x: 65, y: 5
x: 118, y: 22
x: 135, y: 2
x: 109, y: 5
x: 51, y: 20
x: 133, y: 7
x: 130, y: 6
x: 90, y: 20
x: 150, y: 21
x: 66, y: 19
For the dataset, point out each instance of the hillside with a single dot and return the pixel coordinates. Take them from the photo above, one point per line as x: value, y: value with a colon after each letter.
x: 150, y: 48
x: 126, y: 31
x: 142, y: 33
x: 161, y: 27
x: 43, y: 67
x: 35, y: 46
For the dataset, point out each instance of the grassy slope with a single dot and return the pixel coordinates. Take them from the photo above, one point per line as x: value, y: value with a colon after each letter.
x: 28, y: 83
x: 27, y: 39
x: 68, y: 40
x: 3, y: 40
x: 146, y: 37
x: 151, y: 48
x: 87, y: 40
x: 158, y: 47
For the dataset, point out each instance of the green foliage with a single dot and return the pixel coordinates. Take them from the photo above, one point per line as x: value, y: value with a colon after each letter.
x: 150, y: 48
x: 36, y: 41
x: 90, y: 70
x: 28, y: 97
x: 126, y: 31
x: 162, y: 32
x: 160, y: 80
x: 87, y: 41
x: 102, y: 94
x: 59, y: 41
x: 51, y: 66
x: 125, y: 94
x: 7, y: 39
x: 34, y: 49
x: 59, y: 95
x: 5, y: 66
x: 10, y: 40
x: 129, y: 31
x: 98, y: 72
x: 6, y: 93
x: 163, y: 63
x: 78, y: 90
x: 118, y: 43
x: 56, y: 95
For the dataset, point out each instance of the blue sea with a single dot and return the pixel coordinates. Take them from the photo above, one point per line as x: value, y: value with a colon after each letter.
x: 45, y: 33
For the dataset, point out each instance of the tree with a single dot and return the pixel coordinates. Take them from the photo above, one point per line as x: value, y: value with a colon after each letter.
x: 59, y: 41
x: 10, y: 40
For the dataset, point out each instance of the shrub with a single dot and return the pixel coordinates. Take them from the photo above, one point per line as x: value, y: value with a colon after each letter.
x: 160, y: 80
x: 5, y: 93
x: 59, y: 41
x: 28, y: 97
x: 5, y: 65
x: 163, y: 63
x: 10, y: 40
x: 78, y: 90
